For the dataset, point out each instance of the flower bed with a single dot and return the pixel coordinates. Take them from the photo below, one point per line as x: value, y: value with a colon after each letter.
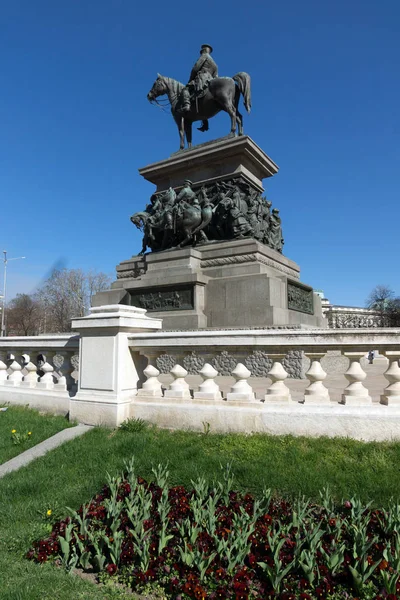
x: 215, y: 543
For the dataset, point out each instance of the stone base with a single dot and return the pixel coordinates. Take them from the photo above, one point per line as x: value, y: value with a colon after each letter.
x: 92, y: 412
x: 356, y: 400
x: 52, y: 401
x: 374, y: 423
x: 237, y: 283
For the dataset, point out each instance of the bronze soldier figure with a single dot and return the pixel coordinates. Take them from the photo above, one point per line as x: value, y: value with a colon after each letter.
x: 201, y: 74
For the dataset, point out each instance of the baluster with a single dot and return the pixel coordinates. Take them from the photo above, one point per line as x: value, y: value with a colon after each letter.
x: 208, y: 389
x: 241, y: 390
x: 278, y: 390
x: 63, y: 368
x: 316, y: 392
x: 74, y: 359
x: 179, y: 388
x: 46, y: 382
x: 355, y: 393
x: 3, y: 366
x: 31, y: 377
x: 152, y: 386
x: 15, y: 366
x: 391, y: 393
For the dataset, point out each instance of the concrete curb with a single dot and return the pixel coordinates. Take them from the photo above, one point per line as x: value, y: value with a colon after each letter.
x: 40, y: 449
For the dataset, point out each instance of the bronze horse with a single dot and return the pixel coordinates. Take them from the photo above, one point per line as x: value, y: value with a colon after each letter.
x: 189, y: 225
x: 222, y: 93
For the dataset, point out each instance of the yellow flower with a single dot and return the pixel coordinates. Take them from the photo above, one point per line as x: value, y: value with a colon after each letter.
x: 29, y: 432
x: 48, y: 513
x: 13, y: 431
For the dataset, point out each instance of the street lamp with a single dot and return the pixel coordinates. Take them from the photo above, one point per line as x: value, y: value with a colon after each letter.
x: 3, y: 314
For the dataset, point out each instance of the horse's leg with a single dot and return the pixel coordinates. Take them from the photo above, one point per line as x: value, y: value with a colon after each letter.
x: 182, y: 134
x: 188, y: 132
x: 232, y: 113
x: 239, y: 120
x: 188, y: 236
x: 179, y: 123
x: 239, y: 116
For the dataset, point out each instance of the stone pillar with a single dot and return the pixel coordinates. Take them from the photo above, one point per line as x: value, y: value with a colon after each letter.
x: 278, y: 390
x: 316, y: 392
x: 391, y: 393
x: 179, y: 388
x: 46, y: 382
x: 241, y: 390
x: 3, y: 366
x: 107, y: 372
x: 31, y: 376
x: 208, y: 389
x: 65, y: 368
x: 355, y: 394
x: 152, y: 386
x: 15, y: 366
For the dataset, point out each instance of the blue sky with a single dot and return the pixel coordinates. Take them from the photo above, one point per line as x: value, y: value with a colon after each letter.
x: 76, y: 126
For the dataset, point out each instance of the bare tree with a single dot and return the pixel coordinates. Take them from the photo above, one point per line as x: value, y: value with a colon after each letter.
x: 24, y: 314
x: 383, y: 300
x: 67, y: 294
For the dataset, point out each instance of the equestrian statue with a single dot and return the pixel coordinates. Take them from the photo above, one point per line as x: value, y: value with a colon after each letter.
x: 203, y: 96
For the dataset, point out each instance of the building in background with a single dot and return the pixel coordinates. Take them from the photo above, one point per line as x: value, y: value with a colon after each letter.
x: 348, y: 317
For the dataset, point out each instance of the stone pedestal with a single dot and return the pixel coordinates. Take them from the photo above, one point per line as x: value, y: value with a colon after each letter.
x: 240, y: 283
x: 226, y: 158
x: 235, y: 283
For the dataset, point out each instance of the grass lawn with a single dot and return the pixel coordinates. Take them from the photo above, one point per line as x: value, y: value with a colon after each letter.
x: 23, y: 420
x: 71, y: 474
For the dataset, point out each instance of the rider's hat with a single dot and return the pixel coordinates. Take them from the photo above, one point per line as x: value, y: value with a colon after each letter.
x: 188, y: 181
x: 207, y: 46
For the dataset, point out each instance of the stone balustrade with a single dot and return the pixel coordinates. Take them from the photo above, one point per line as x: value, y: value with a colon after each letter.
x: 315, y: 393
x: 41, y: 371
x: 129, y: 367
x: 270, y: 405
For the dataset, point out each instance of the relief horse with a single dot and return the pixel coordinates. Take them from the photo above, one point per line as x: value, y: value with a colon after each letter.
x: 188, y: 225
x: 222, y: 93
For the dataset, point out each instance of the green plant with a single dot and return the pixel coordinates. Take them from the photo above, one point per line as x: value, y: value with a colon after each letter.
x: 134, y: 425
x: 20, y: 438
x: 206, y: 427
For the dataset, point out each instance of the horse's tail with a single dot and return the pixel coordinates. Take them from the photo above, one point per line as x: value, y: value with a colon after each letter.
x: 243, y: 82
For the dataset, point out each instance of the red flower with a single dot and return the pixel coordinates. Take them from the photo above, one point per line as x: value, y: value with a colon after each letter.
x: 111, y: 569
x: 220, y: 574
x: 252, y: 560
x: 41, y: 557
x: 188, y: 588
x: 267, y: 519
x: 199, y: 593
x: 347, y: 504
x: 305, y: 596
x: 220, y: 594
x: 150, y: 574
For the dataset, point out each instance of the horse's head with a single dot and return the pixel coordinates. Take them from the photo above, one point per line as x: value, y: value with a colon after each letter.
x: 137, y: 220
x: 159, y: 88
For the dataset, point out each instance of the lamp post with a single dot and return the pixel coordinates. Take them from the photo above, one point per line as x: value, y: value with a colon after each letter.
x: 3, y: 314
